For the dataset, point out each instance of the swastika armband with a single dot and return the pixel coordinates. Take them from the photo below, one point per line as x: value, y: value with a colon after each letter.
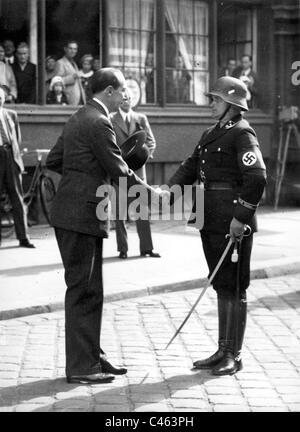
x: 249, y: 206
x: 249, y: 158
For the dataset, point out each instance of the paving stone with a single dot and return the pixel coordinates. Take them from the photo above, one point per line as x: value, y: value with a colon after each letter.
x: 231, y: 408
x: 265, y: 402
x: 111, y: 408
x: 189, y: 403
x: 226, y: 399
x: 155, y: 407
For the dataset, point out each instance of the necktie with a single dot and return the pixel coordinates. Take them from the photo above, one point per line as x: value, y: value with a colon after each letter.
x: 4, y: 137
x: 127, y: 124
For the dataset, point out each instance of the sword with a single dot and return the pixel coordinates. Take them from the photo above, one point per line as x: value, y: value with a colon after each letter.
x: 209, y: 281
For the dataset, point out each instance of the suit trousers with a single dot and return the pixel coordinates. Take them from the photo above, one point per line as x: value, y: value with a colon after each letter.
x: 142, y: 225
x: 144, y: 233
x: 82, y: 259
x: 225, y: 280
x: 11, y: 181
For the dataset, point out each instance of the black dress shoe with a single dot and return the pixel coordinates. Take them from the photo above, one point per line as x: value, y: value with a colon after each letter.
x: 26, y: 243
x: 228, y: 366
x: 123, y: 255
x: 107, y: 367
x: 151, y: 254
x: 97, y: 378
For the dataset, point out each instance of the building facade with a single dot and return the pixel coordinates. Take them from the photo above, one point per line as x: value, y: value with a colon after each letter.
x: 171, y: 51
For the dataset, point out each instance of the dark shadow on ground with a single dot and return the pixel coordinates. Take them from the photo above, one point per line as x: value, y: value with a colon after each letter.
x: 277, y: 302
x: 47, y: 388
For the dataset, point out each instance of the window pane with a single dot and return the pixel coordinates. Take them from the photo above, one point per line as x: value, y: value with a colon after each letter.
x: 200, y: 87
x: 131, y: 49
x: 148, y: 85
x: 243, y: 25
x: 179, y: 86
x: 115, y: 13
x: 132, y: 14
x: 147, y: 14
x: 172, y: 15
x: 201, y: 53
x: 116, y: 51
x: 201, y: 18
x: 186, y: 16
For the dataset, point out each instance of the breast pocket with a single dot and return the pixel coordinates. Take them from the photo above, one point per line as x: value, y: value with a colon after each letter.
x: 222, y: 158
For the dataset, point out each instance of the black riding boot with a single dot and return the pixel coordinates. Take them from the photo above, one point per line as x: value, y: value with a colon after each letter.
x: 232, y: 362
x: 214, y: 359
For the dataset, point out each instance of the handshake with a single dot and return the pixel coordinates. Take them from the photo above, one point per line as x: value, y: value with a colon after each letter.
x: 164, y: 196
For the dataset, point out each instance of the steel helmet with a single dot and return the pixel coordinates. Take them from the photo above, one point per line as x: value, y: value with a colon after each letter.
x: 231, y: 90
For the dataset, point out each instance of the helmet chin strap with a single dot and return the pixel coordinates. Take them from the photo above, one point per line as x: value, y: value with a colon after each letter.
x: 224, y: 114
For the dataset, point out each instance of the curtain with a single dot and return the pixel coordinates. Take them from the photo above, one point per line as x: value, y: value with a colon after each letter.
x: 128, y: 45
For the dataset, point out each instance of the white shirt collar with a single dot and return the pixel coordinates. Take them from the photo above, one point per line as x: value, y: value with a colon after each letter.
x: 125, y: 114
x: 102, y: 104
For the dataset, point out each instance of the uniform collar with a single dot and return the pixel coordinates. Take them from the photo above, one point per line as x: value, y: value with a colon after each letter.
x: 217, y: 132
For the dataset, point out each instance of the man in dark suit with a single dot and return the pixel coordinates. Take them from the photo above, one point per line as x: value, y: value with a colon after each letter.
x: 125, y: 122
x: 11, y: 167
x: 246, y: 74
x: 25, y: 74
x: 88, y: 157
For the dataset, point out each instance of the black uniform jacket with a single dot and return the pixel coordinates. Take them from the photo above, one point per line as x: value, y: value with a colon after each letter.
x: 87, y: 156
x: 230, y: 155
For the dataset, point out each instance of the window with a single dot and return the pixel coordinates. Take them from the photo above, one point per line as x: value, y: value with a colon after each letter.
x: 186, y: 51
x: 72, y: 20
x: 236, y: 33
x: 132, y: 43
x: 132, y: 35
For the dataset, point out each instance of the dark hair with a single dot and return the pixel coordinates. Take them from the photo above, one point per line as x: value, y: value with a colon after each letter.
x: 247, y: 55
x: 70, y: 41
x: 23, y: 45
x: 231, y: 59
x: 103, y: 78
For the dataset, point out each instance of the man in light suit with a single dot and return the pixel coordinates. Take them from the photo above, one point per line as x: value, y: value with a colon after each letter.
x: 88, y: 157
x: 67, y: 68
x: 11, y: 168
x: 125, y: 122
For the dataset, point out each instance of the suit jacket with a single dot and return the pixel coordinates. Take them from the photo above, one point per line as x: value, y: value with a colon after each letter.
x: 138, y: 121
x: 229, y: 154
x: 73, y: 87
x: 88, y: 156
x: 26, y: 83
x: 14, y: 135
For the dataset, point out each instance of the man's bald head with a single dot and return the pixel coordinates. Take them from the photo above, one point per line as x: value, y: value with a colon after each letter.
x: 106, y: 77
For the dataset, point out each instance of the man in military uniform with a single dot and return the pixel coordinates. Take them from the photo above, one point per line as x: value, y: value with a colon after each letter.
x: 229, y: 163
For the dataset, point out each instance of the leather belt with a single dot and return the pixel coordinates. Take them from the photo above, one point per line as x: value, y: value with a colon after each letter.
x: 216, y: 186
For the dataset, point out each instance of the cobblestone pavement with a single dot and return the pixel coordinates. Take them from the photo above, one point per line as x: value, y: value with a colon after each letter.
x: 135, y: 333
